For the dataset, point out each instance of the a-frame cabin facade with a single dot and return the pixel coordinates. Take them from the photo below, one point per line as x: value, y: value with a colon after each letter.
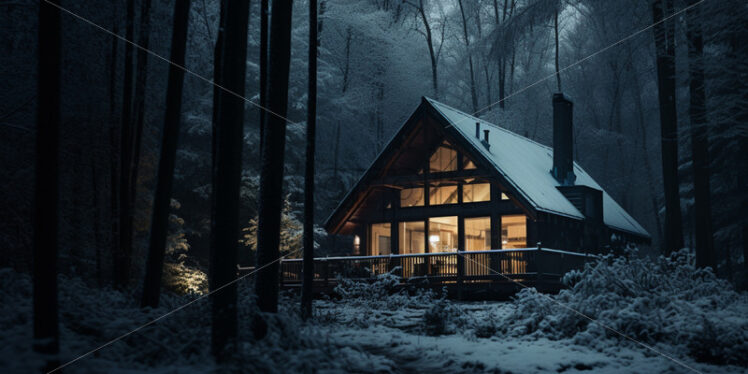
x: 450, y: 182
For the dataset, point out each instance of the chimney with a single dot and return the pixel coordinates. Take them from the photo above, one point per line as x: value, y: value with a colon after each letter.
x: 563, y: 141
x: 485, y: 139
x: 477, y: 130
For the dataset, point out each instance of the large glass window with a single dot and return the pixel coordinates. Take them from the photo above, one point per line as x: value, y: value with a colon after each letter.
x: 380, y: 239
x: 443, y: 234
x: 513, y: 231
x: 467, y: 163
x: 412, y: 237
x: 411, y: 197
x: 478, y: 234
x: 439, y: 195
x: 444, y: 159
x: 472, y: 193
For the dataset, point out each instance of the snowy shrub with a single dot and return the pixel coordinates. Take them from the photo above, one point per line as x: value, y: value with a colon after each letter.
x: 385, y: 292
x: 664, y: 300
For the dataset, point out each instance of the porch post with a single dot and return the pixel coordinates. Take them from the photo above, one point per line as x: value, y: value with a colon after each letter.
x: 460, y: 258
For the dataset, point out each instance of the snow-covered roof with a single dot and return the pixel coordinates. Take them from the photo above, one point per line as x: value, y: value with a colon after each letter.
x: 526, y: 165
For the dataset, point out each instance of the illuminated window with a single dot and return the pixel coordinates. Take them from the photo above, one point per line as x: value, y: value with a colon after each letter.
x: 411, y: 197
x: 468, y: 164
x: 443, y: 234
x: 472, y: 193
x: 380, y: 239
x: 478, y: 234
x: 504, y: 196
x: 412, y: 237
x: 356, y: 244
x: 439, y: 195
x: 513, y: 231
x: 444, y: 159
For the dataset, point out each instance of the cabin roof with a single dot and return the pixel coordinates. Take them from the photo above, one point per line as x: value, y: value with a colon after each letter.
x: 526, y: 164
x: 523, y: 163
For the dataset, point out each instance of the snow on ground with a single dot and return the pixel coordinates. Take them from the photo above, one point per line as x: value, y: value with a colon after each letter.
x: 682, y: 312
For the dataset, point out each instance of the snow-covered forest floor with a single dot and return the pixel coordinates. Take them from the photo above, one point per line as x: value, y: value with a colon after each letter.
x: 683, y: 313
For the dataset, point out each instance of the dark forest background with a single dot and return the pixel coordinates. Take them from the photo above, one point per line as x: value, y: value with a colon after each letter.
x: 376, y: 59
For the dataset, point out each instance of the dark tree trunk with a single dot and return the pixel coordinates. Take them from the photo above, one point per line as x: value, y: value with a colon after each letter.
x: 139, y: 104
x: 165, y: 178
x: 46, y: 330
x: 430, y: 44
x: 665, y: 44
x: 227, y: 163
x: 555, y: 30
x: 122, y: 258
x: 473, y: 91
x: 705, y: 255
x: 271, y: 175
x: 306, y: 291
x: 263, y: 69
x: 113, y: 142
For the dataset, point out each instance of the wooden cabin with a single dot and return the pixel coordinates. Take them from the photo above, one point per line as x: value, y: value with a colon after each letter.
x: 449, y: 185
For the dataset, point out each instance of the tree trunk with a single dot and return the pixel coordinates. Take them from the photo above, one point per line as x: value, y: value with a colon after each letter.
x: 699, y: 142
x: 555, y: 30
x: 306, y: 291
x: 432, y: 53
x: 665, y: 45
x: 113, y: 142
x: 165, y: 177
x: 473, y: 91
x: 227, y: 163
x: 139, y: 104
x: 122, y: 257
x: 46, y: 193
x: 263, y: 68
x: 271, y: 175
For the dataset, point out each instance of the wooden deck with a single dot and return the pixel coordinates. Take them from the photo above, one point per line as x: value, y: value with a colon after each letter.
x: 494, y: 274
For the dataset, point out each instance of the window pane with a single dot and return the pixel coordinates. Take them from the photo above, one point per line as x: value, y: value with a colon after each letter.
x: 513, y: 231
x: 468, y: 164
x: 478, y: 234
x: 472, y: 193
x: 411, y: 197
x: 443, y: 234
x: 504, y: 196
x: 412, y: 237
x: 444, y: 159
x: 443, y: 195
x: 379, y: 242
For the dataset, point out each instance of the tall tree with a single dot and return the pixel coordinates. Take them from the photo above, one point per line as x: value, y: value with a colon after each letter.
x: 122, y: 258
x: 473, y: 90
x: 263, y: 67
x: 433, y: 52
x: 139, y: 98
x: 271, y: 174
x: 555, y: 31
x: 699, y: 141
x: 165, y: 177
x: 46, y: 194
x: 311, y: 120
x: 664, y: 35
x: 227, y: 163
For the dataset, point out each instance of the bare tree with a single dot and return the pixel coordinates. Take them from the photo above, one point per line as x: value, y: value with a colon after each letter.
x: 271, y: 174
x: 699, y: 142
x: 306, y: 291
x: 664, y: 33
x: 165, y: 177
x: 46, y: 192
x: 227, y: 163
x: 427, y: 33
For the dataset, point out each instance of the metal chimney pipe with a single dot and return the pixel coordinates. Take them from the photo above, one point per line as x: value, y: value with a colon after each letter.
x: 485, y: 136
x: 563, y: 141
x: 477, y: 130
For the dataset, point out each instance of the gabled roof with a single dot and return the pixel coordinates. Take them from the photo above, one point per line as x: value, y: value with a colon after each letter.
x: 524, y: 164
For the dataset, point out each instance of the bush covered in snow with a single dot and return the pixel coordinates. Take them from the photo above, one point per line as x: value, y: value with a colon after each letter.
x: 656, y: 301
x: 384, y: 291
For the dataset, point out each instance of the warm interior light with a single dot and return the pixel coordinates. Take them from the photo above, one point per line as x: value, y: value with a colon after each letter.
x: 504, y: 242
x: 356, y: 240
x: 434, y: 238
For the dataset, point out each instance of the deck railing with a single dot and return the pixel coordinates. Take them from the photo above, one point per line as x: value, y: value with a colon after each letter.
x: 445, y: 267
